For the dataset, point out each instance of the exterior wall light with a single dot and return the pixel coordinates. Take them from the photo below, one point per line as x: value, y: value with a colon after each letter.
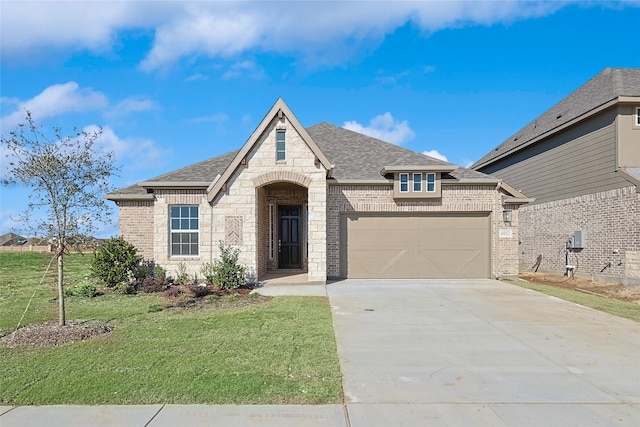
x: 506, y: 216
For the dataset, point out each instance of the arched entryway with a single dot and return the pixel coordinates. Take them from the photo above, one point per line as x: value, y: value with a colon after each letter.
x: 282, y: 237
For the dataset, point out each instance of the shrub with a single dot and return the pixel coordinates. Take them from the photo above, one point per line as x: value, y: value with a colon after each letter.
x: 125, y: 288
x: 172, y: 292
x: 228, y: 274
x: 208, y: 270
x: 149, y: 285
x: 83, y: 289
x: 116, y: 262
x: 197, y: 291
x: 182, y: 278
x: 160, y: 274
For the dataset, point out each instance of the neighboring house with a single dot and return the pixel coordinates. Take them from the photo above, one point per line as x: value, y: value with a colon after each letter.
x: 326, y: 201
x: 12, y: 239
x: 581, y: 162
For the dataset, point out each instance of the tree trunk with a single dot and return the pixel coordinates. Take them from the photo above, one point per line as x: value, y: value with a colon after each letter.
x: 61, y: 316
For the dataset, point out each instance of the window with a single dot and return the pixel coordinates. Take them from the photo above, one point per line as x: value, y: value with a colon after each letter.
x: 280, y: 145
x: 417, y: 182
x: 431, y: 182
x: 271, y: 233
x: 184, y: 230
x: 404, y: 182
x: 637, y: 121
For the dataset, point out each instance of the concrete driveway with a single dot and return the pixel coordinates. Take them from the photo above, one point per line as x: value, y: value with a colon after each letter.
x: 481, y: 352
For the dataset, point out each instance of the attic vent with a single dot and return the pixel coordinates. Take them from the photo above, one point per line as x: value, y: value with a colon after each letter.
x: 516, y: 138
x: 558, y: 116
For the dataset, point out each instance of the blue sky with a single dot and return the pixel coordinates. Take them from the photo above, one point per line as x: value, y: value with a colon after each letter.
x: 174, y: 83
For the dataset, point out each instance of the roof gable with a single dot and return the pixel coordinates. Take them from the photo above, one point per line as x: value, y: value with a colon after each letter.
x: 607, y: 86
x: 278, y: 109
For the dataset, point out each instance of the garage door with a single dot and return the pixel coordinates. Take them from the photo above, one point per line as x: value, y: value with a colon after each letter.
x: 414, y: 247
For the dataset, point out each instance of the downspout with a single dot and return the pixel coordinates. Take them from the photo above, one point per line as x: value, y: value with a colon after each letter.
x: 496, y: 234
x: 211, y: 235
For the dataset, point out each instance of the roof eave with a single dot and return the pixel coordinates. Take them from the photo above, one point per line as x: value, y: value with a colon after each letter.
x: 129, y: 197
x: 338, y: 181
x: 552, y: 131
x: 418, y: 168
x: 174, y: 184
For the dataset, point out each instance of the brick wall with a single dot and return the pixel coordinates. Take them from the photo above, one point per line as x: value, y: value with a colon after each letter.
x: 136, y: 225
x: 611, y: 221
x: 458, y: 198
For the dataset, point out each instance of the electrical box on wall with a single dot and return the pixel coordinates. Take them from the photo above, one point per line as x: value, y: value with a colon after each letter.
x: 579, y: 239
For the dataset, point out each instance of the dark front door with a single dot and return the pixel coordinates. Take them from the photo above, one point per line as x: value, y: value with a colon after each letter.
x: 289, y: 236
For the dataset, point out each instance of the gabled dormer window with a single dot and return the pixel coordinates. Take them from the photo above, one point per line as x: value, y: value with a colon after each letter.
x: 431, y: 182
x: 404, y: 182
x: 280, y: 145
x: 417, y: 182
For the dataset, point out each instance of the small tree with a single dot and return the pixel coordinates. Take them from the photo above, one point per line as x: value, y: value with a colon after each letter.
x: 228, y: 274
x: 68, y: 176
x: 116, y: 262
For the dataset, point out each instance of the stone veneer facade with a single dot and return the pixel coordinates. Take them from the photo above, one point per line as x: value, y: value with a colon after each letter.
x: 611, y: 221
x: 239, y: 215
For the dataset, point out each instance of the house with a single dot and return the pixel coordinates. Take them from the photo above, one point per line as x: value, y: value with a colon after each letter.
x: 580, y: 160
x: 12, y: 239
x: 329, y: 202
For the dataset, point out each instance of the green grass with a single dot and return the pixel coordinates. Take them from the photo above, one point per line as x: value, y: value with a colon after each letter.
x: 279, y: 352
x: 616, y: 307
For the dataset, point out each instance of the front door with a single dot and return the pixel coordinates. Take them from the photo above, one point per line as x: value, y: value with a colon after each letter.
x: 289, y: 236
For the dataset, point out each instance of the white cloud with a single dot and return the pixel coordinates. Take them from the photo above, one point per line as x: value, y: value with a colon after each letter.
x: 467, y: 163
x: 53, y: 101
x: 435, y: 154
x: 384, y: 127
x: 131, y: 105
x: 248, y: 68
x: 135, y: 153
x: 322, y: 32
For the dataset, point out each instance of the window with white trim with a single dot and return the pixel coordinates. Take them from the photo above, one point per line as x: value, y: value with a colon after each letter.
x: 417, y: 182
x: 280, y: 145
x: 637, y: 118
x: 404, y: 182
x: 431, y: 182
x: 184, y: 230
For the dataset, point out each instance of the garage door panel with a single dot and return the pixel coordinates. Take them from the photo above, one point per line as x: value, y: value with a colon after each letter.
x: 445, y: 246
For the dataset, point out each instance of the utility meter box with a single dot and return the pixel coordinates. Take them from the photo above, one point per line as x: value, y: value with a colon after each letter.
x: 579, y: 239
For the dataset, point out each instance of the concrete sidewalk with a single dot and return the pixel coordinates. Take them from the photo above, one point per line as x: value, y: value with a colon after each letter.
x: 173, y: 416
x: 433, y: 353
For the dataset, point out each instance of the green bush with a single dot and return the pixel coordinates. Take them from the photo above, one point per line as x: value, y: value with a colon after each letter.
x: 83, y: 289
x: 160, y: 274
x: 182, y: 278
x: 208, y: 270
x: 125, y: 288
x: 116, y: 262
x: 228, y: 274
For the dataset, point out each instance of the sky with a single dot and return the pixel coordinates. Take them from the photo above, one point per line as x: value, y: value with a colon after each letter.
x: 174, y: 83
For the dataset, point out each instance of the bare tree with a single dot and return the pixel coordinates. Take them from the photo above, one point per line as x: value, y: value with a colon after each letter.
x: 68, y: 176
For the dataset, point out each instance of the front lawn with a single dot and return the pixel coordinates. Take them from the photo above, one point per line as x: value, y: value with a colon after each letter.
x: 281, y: 351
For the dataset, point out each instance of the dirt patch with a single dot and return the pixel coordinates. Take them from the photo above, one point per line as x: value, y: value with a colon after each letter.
x: 628, y: 293
x: 49, y: 334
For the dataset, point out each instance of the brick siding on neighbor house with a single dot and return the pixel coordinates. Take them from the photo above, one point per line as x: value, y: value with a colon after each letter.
x: 611, y: 221
x: 458, y: 198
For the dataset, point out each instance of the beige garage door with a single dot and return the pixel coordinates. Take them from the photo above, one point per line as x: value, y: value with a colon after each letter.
x: 417, y: 247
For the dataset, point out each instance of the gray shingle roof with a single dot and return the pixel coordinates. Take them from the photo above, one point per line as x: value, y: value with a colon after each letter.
x: 355, y: 156
x: 606, y: 86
